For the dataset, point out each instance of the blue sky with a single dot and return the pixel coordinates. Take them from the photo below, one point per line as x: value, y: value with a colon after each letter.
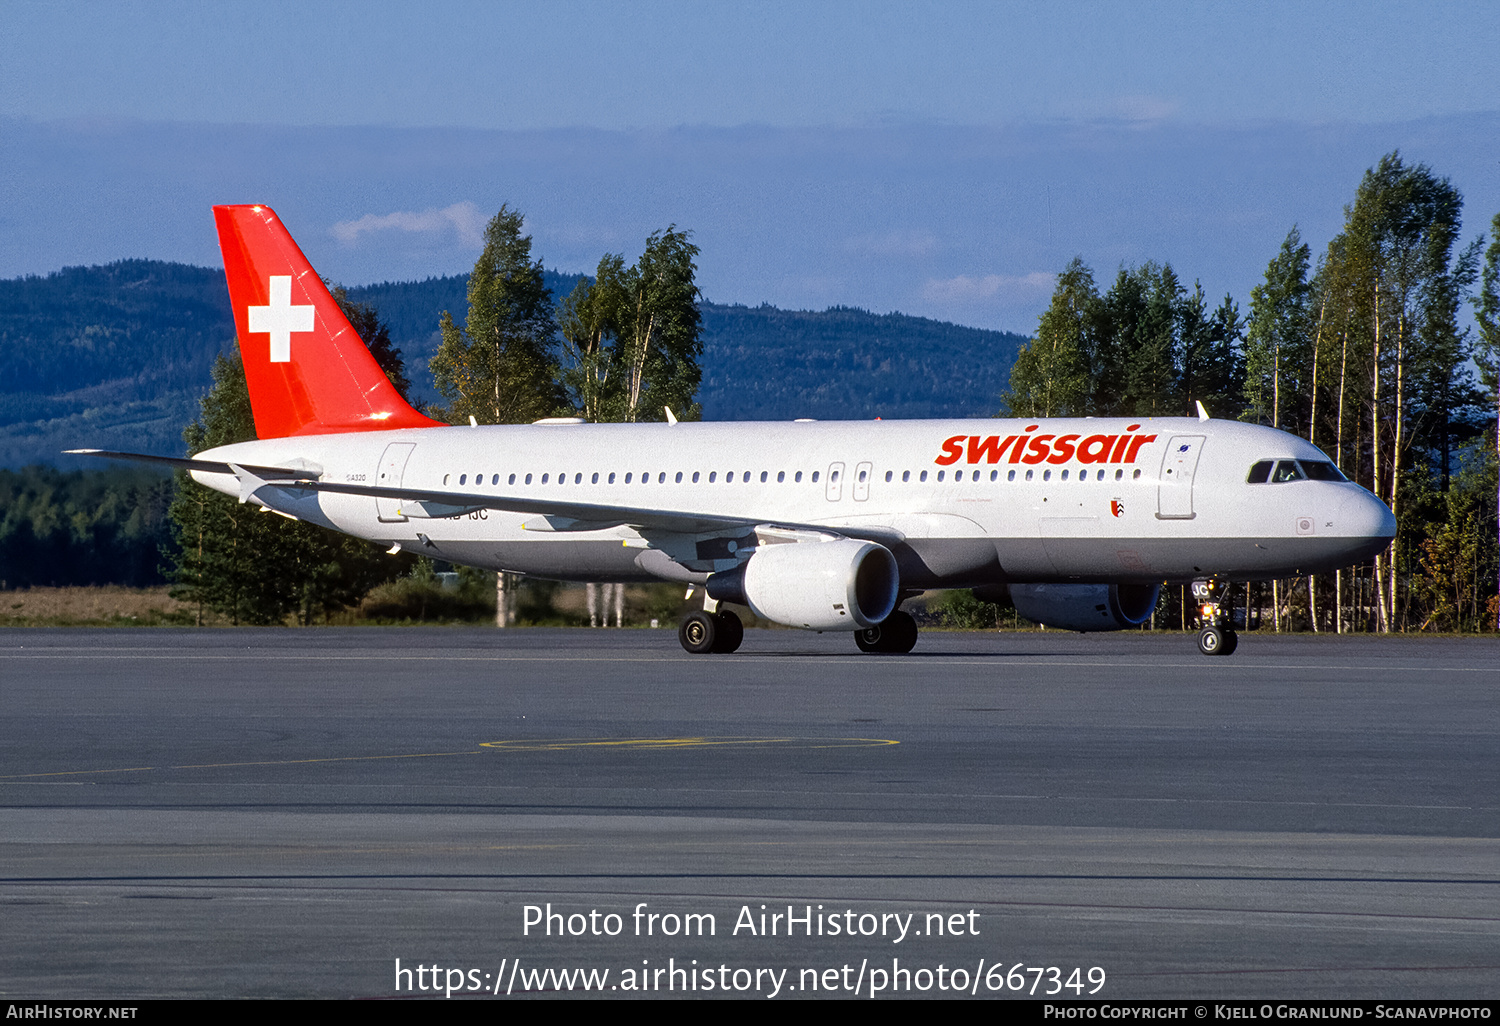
x: 941, y: 159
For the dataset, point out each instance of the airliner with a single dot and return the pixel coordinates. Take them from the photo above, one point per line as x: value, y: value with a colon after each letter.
x: 825, y: 526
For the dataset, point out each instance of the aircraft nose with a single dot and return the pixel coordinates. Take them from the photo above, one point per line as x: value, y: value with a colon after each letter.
x: 1364, y: 516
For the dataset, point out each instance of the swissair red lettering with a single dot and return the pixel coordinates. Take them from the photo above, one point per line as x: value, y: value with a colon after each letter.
x: 1062, y: 449
x: 1095, y: 449
x: 1044, y: 448
x: 990, y: 449
x: 1039, y: 449
x: 953, y: 450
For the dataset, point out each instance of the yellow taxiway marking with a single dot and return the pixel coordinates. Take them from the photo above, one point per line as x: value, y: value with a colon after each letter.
x: 518, y: 745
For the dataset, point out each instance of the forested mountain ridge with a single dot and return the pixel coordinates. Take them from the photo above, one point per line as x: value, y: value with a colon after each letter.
x: 116, y: 356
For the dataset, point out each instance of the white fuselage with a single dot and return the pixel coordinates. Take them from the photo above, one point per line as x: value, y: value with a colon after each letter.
x: 959, y: 503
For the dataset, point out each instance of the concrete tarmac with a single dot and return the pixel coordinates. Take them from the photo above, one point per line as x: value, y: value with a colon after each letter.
x: 266, y: 813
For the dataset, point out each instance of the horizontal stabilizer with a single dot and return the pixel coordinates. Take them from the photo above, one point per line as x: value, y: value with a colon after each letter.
x: 269, y: 474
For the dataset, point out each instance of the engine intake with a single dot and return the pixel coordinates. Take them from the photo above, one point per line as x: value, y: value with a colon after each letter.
x: 839, y: 585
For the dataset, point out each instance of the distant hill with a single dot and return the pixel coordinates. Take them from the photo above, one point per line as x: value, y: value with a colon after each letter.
x: 117, y: 356
x: 763, y: 363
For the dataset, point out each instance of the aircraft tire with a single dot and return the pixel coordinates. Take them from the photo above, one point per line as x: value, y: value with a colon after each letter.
x: 897, y: 633
x: 1231, y: 642
x: 1212, y: 642
x: 901, y: 631
x: 698, y: 632
x: 730, y: 632
x: 869, y: 639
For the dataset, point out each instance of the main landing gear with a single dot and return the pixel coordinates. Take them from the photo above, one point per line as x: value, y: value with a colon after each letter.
x: 1216, y: 616
x: 721, y: 633
x: 703, y: 632
x: 896, y: 633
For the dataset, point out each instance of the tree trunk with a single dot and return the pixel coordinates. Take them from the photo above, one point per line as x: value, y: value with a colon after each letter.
x: 1383, y: 624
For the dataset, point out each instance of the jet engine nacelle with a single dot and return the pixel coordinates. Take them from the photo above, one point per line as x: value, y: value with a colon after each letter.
x: 840, y: 585
x: 1085, y: 607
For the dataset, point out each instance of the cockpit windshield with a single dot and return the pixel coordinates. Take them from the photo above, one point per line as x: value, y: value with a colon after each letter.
x: 1282, y: 471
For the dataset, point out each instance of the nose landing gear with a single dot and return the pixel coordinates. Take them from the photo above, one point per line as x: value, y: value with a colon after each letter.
x: 1216, y: 617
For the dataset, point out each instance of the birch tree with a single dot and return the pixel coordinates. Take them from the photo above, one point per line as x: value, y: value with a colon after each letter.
x: 500, y: 368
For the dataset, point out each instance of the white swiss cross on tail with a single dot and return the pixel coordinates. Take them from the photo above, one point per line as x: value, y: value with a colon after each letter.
x: 281, y: 318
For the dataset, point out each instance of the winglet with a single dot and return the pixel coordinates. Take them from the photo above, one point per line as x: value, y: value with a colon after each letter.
x: 1202, y: 413
x: 671, y: 417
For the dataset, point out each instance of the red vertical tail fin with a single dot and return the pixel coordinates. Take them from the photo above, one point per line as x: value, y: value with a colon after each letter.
x: 308, y: 371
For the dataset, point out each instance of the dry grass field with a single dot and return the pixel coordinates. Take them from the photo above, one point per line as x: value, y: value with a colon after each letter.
x: 95, y: 607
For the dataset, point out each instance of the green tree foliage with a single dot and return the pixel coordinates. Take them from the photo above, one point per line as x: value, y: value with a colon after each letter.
x: 1049, y: 378
x: 1391, y: 289
x: 1487, y: 354
x: 252, y: 566
x: 634, y: 335
x: 499, y: 368
x: 1277, y: 337
x: 1455, y: 558
x: 82, y: 527
x: 1147, y: 348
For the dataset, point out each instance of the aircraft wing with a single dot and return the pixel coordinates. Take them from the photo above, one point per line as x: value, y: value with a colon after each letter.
x: 553, y: 514
x: 558, y: 515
